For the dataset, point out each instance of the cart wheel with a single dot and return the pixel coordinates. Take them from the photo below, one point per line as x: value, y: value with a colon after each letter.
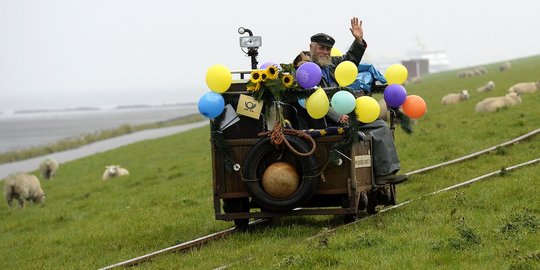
x: 350, y: 218
x: 363, y: 201
x: 345, y: 204
x: 371, y: 207
x: 237, y: 206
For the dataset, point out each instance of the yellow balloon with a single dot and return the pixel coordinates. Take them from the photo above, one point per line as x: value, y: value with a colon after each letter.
x: 317, y: 104
x: 218, y: 78
x: 367, y: 109
x: 396, y: 74
x: 335, y: 52
x: 346, y: 73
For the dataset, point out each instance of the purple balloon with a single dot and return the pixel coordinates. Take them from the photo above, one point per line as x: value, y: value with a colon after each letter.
x: 395, y: 95
x: 308, y: 75
x: 267, y: 64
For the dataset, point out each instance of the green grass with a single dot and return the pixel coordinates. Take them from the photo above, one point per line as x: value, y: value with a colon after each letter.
x: 87, y: 223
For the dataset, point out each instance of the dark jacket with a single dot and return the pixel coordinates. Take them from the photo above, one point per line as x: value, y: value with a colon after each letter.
x: 354, y: 54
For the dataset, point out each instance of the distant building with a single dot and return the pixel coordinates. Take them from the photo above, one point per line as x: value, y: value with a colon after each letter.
x: 437, y: 59
x: 416, y: 67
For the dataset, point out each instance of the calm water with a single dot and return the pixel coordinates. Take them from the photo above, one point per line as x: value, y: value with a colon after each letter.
x: 23, y: 130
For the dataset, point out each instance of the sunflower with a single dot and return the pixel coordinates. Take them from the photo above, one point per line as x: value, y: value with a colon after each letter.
x: 254, y: 87
x: 272, y: 72
x: 287, y: 80
x: 255, y: 77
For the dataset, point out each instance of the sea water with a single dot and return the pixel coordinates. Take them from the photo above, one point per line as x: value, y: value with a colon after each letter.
x: 25, y: 129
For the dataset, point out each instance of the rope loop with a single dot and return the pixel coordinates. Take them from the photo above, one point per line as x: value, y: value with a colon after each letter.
x: 277, y: 137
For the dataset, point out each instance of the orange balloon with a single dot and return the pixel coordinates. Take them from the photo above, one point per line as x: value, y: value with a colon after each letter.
x: 414, y: 106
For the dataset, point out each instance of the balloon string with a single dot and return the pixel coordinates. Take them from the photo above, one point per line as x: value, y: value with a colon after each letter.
x: 277, y: 137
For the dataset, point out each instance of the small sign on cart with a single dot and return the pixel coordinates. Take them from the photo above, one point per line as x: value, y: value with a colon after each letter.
x: 249, y: 107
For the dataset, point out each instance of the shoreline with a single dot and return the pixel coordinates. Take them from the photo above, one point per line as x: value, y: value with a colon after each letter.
x: 32, y: 164
x: 30, y: 130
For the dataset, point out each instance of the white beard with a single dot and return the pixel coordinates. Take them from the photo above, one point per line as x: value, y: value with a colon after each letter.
x: 323, y: 61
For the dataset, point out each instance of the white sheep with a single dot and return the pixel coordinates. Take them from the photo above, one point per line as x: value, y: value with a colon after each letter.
x: 480, y: 71
x: 48, y: 168
x: 504, y: 66
x: 112, y: 171
x: 23, y: 187
x: 525, y: 87
x: 494, y: 103
x: 383, y: 114
x: 486, y: 87
x: 455, y: 97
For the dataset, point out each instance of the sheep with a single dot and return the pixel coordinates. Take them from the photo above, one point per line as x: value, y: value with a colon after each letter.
x: 455, y: 97
x: 416, y: 79
x: 487, y: 87
x: 504, y: 66
x: 23, y: 186
x: 472, y: 72
x: 114, y: 171
x: 494, y: 103
x: 480, y: 70
x: 525, y: 87
x: 383, y: 114
x: 48, y: 168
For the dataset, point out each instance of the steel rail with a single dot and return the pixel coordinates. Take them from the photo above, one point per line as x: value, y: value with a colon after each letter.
x: 183, y: 246
x: 222, y: 234
x: 464, y: 183
x: 520, y: 138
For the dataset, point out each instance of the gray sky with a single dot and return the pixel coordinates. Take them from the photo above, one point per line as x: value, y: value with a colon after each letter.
x: 69, y: 53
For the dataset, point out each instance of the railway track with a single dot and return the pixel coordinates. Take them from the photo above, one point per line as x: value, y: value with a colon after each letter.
x: 223, y: 234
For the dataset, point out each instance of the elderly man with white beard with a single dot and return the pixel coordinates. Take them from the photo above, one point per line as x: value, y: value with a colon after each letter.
x: 385, y: 160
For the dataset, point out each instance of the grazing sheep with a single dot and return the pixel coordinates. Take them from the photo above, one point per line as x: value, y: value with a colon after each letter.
x: 494, y: 103
x: 114, y: 171
x: 505, y: 66
x: 525, y: 87
x: 455, y: 97
x: 23, y: 187
x: 383, y: 114
x: 487, y: 87
x: 480, y: 71
x: 472, y: 72
x: 48, y: 168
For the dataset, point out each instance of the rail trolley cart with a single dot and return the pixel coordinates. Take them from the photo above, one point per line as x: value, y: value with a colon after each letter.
x: 255, y: 178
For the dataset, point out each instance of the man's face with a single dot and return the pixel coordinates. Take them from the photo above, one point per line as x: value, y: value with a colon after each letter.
x: 320, y: 54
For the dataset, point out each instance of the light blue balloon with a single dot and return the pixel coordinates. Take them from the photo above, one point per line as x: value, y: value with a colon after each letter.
x: 343, y: 102
x: 302, y: 102
x: 211, y: 104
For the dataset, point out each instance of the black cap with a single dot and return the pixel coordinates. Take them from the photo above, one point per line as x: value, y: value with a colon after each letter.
x: 323, y: 40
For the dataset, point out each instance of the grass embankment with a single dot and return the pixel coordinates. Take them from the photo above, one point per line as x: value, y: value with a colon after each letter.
x: 87, y: 223
x: 75, y: 142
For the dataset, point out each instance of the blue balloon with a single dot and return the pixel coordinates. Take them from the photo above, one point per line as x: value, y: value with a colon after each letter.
x: 211, y: 104
x: 308, y: 75
x: 343, y: 102
x: 302, y: 102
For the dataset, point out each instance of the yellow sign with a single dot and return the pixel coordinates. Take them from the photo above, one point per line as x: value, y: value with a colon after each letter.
x: 249, y: 107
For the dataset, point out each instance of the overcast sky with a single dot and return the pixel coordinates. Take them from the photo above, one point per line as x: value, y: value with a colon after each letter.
x: 70, y: 53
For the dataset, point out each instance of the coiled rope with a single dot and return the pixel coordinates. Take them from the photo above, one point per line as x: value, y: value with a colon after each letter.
x: 277, y: 137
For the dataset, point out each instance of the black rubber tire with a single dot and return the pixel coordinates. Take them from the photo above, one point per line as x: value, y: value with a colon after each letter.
x: 263, y: 154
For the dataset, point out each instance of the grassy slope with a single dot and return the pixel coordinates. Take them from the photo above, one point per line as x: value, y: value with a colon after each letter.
x: 87, y: 223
